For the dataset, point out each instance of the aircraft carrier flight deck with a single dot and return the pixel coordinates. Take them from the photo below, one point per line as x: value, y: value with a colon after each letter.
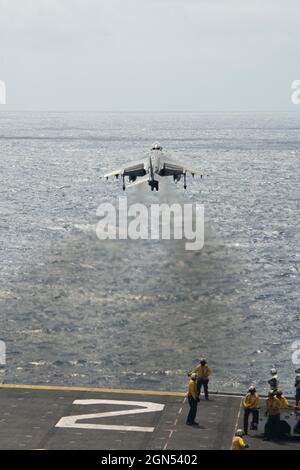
x: 49, y: 417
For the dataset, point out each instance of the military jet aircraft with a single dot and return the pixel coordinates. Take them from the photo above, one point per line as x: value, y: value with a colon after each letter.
x: 149, y: 169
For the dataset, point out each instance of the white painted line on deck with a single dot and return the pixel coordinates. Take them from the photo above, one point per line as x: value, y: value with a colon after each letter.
x: 237, y: 422
x: 175, y: 423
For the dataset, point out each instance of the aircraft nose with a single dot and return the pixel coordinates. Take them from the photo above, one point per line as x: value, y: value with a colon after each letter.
x: 156, y: 147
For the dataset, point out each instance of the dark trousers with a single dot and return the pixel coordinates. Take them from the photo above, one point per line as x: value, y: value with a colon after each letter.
x: 193, y: 410
x: 247, y: 412
x: 203, y: 382
x: 272, y: 428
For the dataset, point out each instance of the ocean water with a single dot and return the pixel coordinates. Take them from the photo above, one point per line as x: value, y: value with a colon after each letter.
x: 78, y: 311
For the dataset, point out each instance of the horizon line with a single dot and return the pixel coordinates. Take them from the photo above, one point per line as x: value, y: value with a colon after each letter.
x: 122, y: 111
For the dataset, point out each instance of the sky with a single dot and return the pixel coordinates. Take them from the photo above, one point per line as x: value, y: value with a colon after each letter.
x: 149, y: 55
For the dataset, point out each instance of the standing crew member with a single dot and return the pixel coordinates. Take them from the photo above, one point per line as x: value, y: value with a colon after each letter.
x: 273, y: 382
x: 283, y: 401
x: 203, y: 373
x: 272, y: 428
x: 250, y: 404
x: 297, y: 386
x: 238, y: 442
x: 284, y: 427
x: 193, y: 401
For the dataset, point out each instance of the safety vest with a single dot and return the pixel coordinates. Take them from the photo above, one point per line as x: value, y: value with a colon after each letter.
x: 283, y: 402
x: 251, y: 400
x: 193, y: 389
x: 273, y: 406
x: 203, y: 372
x: 238, y: 443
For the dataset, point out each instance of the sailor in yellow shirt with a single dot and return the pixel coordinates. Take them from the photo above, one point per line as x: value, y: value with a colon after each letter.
x: 238, y: 442
x: 283, y: 401
x: 250, y: 403
x: 272, y: 427
x: 203, y: 373
x: 193, y: 401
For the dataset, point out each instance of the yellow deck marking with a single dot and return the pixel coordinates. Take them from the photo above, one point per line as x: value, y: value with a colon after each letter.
x: 93, y: 389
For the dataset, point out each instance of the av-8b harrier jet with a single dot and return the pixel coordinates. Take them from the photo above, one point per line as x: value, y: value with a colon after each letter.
x: 153, y: 166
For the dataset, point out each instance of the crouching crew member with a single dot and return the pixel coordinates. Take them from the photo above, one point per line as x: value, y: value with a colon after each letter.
x: 238, y: 442
x: 193, y: 401
x: 203, y: 373
x: 250, y: 404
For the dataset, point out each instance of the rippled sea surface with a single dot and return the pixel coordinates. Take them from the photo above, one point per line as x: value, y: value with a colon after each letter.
x: 77, y: 311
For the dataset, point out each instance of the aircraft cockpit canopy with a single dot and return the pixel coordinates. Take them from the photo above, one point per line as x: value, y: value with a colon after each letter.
x: 156, y: 147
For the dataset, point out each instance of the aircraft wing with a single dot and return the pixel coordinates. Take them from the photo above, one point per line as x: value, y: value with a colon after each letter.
x: 132, y: 169
x: 172, y: 168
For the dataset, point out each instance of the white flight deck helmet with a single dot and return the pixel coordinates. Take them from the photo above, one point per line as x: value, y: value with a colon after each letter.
x: 240, y: 433
x: 193, y: 376
x: 273, y: 371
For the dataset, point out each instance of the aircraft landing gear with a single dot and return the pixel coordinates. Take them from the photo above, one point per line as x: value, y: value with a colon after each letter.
x: 154, y: 185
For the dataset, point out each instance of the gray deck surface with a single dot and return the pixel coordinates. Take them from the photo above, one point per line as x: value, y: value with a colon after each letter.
x: 28, y: 419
